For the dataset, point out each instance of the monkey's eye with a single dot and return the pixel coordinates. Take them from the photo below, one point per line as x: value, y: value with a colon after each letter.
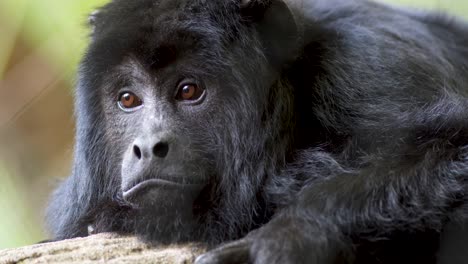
x: 189, y: 92
x: 129, y: 100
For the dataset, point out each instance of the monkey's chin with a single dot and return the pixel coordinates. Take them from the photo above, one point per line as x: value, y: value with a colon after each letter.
x: 164, y: 210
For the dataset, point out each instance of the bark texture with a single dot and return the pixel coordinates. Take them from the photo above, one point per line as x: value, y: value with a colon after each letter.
x: 101, y: 248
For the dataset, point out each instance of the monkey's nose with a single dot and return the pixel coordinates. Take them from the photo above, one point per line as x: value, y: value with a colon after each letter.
x: 147, y: 149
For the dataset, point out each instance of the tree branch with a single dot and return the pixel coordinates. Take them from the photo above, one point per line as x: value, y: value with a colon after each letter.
x: 101, y: 248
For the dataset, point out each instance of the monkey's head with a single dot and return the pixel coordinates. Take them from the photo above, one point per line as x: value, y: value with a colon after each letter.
x: 182, y: 114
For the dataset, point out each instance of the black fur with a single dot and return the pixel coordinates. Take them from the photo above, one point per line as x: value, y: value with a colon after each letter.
x: 336, y: 130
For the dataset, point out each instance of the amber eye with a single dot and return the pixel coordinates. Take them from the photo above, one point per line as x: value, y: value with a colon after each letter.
x: 189, y: 92
x: 128, y: 100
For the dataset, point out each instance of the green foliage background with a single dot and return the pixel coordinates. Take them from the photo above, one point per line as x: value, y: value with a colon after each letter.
x: 58, y: 29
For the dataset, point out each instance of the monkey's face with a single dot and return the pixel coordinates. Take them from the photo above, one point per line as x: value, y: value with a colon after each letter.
x: 163, y: 115
x: 169, y: 123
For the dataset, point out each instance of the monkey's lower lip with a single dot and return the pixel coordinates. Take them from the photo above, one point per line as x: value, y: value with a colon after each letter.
x: 160, y: 183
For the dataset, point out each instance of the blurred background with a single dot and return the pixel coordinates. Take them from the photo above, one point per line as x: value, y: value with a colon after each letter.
x: 41, y: 42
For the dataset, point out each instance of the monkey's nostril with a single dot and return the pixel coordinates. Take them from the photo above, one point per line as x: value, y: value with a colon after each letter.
x: 161, y: 149
x: 137, y: 151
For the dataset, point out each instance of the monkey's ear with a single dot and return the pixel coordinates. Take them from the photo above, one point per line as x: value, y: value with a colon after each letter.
x: 92, y: 20
x: 277, y: 28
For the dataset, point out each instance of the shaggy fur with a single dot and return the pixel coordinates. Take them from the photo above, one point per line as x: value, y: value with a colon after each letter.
x: 336, y: 130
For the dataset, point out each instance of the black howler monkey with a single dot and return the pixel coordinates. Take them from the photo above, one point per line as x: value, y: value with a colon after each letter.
x: 311, y: 131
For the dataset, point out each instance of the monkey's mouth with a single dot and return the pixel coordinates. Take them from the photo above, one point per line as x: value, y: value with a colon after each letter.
x: 160, y: 185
